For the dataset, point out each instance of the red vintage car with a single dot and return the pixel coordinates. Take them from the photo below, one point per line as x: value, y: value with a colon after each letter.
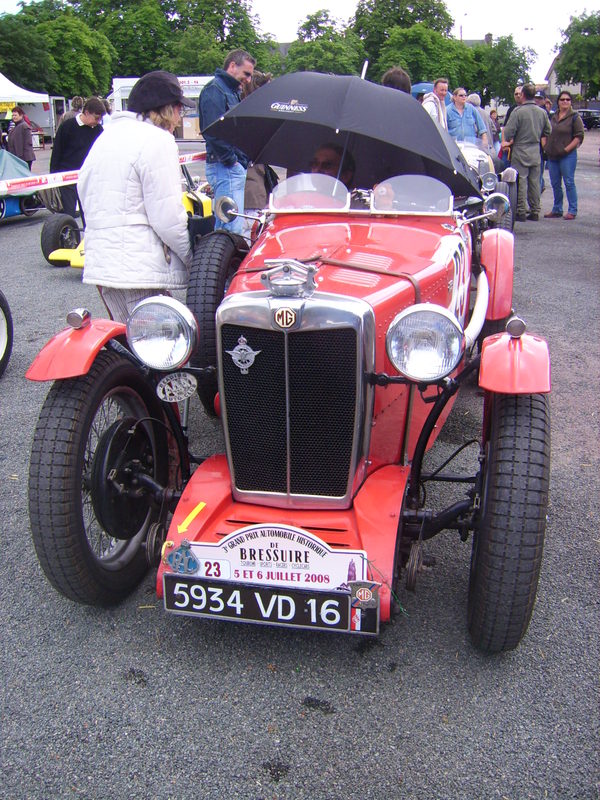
x: 332, y: 349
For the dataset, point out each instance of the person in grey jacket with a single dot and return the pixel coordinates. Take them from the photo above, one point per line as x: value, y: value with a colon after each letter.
x: 225, y: 164
x: 136, y: 237
x: 524, y: 132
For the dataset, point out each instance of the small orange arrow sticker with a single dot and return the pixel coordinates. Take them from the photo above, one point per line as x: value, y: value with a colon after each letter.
x: 190, y: 518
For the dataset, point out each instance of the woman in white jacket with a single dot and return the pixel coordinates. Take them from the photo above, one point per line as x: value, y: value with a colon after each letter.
x: 136, y: 236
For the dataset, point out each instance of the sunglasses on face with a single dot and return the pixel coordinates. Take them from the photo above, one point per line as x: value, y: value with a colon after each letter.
x: 327, y: 164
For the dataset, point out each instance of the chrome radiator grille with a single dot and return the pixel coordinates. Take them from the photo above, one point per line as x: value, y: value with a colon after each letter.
x: 294, y: 421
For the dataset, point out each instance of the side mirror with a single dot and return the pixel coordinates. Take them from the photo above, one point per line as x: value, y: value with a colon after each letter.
x: 226, y: 209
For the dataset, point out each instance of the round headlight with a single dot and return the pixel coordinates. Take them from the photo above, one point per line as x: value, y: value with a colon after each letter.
x: 425, y: 342
x: 489, y: 181
x: 162, y: 332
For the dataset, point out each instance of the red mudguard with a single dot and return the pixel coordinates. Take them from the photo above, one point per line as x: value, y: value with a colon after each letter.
x: 72, y: 352
x: 515, y: 366
x: 207, y: 512
x: 497, y: 256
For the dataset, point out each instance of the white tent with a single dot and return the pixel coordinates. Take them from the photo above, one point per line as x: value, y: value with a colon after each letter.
x: 11, y: 93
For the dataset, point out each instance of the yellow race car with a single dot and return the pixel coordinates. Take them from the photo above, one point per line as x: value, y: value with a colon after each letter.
x: 62, y: 239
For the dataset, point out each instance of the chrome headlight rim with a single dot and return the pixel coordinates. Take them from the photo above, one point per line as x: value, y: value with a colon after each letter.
x: 175, y: 312
x: 430, y: 312
x: 489, y: 181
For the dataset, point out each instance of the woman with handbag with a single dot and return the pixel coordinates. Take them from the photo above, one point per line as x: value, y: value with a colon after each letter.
x: 561, y: 152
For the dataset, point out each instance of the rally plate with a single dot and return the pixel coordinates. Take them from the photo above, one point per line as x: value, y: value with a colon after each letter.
x: 268, y: 605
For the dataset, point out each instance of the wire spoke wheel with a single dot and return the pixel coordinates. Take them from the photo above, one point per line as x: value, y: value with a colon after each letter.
x: 75, y: 473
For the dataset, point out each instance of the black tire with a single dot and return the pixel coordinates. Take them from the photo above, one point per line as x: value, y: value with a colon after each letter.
x: 6, y: 333
x: 79, y: 557
x: 507, y: 223
x: 216, y: 260
x: 29, y: 205
x: 509, y: 539
x: 59, y: 231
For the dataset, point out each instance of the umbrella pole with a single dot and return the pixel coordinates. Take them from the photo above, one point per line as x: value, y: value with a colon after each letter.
x: 362, y: 77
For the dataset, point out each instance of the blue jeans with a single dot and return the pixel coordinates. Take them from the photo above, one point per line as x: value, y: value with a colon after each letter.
x: 563, y: 169
x: 230, y: 182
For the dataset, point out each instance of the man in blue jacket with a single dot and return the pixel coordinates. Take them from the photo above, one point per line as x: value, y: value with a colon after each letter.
x: 225, y: 164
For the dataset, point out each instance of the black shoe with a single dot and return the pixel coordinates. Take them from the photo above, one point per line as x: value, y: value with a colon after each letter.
x: 533, y: 217
x: 520, y: 218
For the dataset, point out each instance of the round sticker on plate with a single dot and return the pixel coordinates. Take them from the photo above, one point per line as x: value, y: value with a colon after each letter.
x: 176, y: 387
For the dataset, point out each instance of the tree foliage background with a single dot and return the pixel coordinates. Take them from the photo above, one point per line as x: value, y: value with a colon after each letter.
x: 68, y: 47
x: 579, y: 54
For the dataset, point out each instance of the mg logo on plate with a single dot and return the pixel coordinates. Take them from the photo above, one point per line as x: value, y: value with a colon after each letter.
x: 364, y: 594
x: 285, y: 317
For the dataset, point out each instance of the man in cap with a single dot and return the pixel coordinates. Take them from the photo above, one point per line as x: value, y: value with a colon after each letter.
x: 72, y: 143
x: 225, y: 164
x: 540, y: 100
x: 136, y: 239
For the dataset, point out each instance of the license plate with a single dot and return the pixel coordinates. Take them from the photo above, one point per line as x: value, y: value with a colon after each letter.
x: 295, y: 608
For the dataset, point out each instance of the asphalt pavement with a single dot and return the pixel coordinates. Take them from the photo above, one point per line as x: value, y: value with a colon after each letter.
x: 130, y: 702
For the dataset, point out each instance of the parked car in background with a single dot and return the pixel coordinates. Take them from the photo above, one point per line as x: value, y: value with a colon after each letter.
x: 590, y: 117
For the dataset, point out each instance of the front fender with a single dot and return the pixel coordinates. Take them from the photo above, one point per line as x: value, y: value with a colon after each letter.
x: 497, y: 257
x: 515, y: 366
x: 72, y: 352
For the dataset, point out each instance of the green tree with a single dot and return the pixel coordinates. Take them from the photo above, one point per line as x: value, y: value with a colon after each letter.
x: 322, y: 47
x: 42, y: 11
x: 81, y: 59
x: 374, y: 20
x: 194, y: 52
x: 500, y: 66
x: 24, y: 57
x: 579, y: 54
x: 426, y: 55
x: 140, y: 35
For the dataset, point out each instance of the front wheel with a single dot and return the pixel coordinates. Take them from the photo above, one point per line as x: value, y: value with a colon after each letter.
x: 216, y: 260
x: 509, y: 538
x: 507, y: 222
x: 59, y: 232
x: 6, y: 333
x: 96, y: 436
x: 29, y: 205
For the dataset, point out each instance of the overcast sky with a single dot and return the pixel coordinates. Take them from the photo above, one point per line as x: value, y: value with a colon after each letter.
x: 532, y: 24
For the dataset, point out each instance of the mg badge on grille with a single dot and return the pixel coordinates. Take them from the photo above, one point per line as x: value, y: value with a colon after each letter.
x: 242, y: 355
x: 285, y: 317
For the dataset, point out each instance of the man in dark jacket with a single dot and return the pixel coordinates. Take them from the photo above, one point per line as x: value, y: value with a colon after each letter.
x: 225, y: 164
x: 525, y: 132
x: 72, y: 143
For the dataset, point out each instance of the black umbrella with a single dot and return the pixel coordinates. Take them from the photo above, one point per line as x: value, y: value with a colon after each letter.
x: 386, y: 131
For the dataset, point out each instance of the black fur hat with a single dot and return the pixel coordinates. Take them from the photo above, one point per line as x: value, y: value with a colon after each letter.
x: 156, y: 89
